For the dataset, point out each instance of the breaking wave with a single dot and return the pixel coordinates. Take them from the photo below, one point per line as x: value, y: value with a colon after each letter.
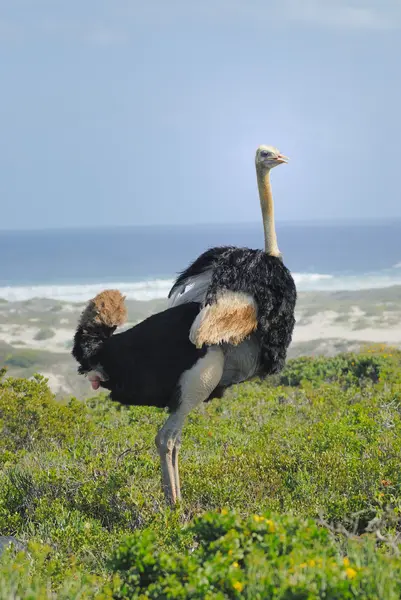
x: 159, y: 288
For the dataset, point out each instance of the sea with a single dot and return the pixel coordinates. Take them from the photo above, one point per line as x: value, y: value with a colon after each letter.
x: 74, y: 265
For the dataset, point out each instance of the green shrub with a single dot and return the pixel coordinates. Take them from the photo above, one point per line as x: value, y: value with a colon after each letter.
x: 45, y: 333
x: 347, y: 369
x: 78, y: 477
x: 21, y: 358
x: 29, y: 576
x: 261, y: 557
x: 31, y: 417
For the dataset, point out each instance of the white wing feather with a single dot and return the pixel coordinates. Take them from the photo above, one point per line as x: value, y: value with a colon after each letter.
x: 241, y: 362
x: 194, y: 289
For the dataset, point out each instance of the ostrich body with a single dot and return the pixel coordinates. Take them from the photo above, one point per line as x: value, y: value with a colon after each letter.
x: 230, y: 318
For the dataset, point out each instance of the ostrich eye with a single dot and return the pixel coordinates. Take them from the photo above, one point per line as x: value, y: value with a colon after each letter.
x: 265, y: 153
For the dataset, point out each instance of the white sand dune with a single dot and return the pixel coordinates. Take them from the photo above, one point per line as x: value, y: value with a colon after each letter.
x: 57, y: 383
x: 323, y: 326
x: 353, y: 319
x: 21, y: 336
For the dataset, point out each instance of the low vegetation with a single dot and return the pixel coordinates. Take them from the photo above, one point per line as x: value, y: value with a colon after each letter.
x: 292, y: 490
x: 45, y: 333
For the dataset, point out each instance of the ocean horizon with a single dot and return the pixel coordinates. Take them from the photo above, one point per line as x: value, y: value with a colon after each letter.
x: 73, y: 265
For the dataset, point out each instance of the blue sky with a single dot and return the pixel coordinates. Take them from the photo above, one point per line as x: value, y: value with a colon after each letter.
x: 118, y: 112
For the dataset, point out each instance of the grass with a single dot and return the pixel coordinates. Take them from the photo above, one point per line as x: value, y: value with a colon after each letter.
x: 292, y: 490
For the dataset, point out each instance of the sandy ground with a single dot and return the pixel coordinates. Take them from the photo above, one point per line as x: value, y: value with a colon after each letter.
x: 20, y: 336
x: 327, y: 323
x: 324, y: 326
x: 57, y: 383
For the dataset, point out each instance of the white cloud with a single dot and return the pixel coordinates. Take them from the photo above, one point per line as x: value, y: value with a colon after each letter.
x: 115, y: 23
x: 333, y: 14
x: 344, y: 14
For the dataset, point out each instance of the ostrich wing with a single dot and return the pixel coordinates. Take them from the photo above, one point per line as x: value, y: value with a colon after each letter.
x: 193, y: 283
x: 230, y: 319
x: 229, y: 283
x: 267, y: 283
x: 193, y: 289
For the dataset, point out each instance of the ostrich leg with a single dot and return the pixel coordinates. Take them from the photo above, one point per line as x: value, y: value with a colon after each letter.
x: 195, y: 386
x: 176, y: 449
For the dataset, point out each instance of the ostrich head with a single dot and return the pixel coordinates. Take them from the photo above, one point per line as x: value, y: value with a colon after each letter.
x: 268, y: 157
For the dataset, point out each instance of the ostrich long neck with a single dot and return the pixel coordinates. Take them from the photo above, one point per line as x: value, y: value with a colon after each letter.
x: 266, y: 204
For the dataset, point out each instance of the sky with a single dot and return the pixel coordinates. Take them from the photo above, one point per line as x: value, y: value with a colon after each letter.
x: 124, y: 112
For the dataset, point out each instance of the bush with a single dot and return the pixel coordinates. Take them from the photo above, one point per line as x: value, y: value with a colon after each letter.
x: 45, y: 333
x: 347, y: 369
x: 261, y: 557
x: 29, y: 576
x: 31, y: 418
x: 78, y: 477
x: 21, y: 358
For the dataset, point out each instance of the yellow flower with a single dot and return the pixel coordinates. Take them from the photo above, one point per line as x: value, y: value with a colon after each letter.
x: 350, y: 572
x: 257, y: 518
x: 237, y: 585
x: 230, y: 552
x: 303, y: 565
x: 224, y: 511
x: 271, y: 525
x: 312, y: 563
x: 346, y: 561
x: 236, y: 565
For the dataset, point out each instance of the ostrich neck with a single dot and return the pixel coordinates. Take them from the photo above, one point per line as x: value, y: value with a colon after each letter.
x: 267, y: 206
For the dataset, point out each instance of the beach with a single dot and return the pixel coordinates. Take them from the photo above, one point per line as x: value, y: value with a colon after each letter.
x: 36, y: 334
x: 348, y: 296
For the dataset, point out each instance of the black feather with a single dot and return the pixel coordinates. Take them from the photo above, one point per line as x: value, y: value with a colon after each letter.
x: 204, y: 262
x: 270, y: 283
x: 144, y: 363
x: 265, y: 278
x: 88, y: 339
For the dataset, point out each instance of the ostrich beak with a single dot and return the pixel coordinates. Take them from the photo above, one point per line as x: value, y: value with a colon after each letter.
x: 282, y: 159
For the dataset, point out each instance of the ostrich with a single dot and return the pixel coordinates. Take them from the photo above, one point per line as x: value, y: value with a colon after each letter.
x: 230, y: 318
